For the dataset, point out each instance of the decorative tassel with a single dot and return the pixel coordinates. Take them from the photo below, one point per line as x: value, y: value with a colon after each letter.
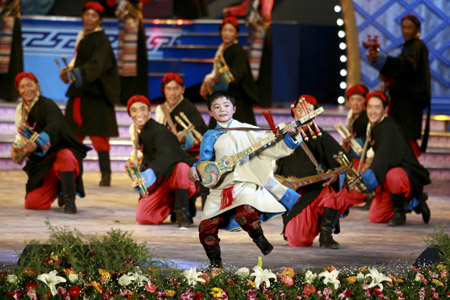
x: 269, y: 118
x: 227, y: 197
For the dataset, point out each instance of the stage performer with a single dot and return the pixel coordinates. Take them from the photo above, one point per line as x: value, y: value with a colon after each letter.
x: 132, y: 59
x: 357, y: 125
x: 172, y: 87
x: 95, y: 88
x: 409, y: 90
x: 395, y: 172
x: 54, y: 161
x: 11, y: 54
x: 250, y: 193
x: 164, y: 168
x: 258, y: 15
x: 322, y: 203
x: 238, y: 80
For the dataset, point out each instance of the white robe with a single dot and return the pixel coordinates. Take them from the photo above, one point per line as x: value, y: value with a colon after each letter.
x: 252, y: 178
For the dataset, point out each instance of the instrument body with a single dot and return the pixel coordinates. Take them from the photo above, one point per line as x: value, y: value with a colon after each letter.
x: 343, y: 131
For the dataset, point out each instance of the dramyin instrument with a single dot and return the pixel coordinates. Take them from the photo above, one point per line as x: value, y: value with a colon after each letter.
x: 354, y: 178
x: 136, y: 177
x: 306, y: 109
x: 295, y: 183
x: 343, y: 131
x: 125, y: 8
x: 189, y: 129
x: 372, y: 44
x: 70, y: 76
x: 30, y: 136
x: 210, y: 172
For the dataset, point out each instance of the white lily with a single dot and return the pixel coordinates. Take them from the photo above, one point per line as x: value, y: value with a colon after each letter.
x: 377, y: 278
x: 331, y: 277
x: 262, y: 276
x: 192, y: 276
x: 141, y: 279
x: 360, y: 276
x: 243, y: 272
x: 310, y: 276
x: 11, y: 278
x: 51, y: 280
x: 125, y: 280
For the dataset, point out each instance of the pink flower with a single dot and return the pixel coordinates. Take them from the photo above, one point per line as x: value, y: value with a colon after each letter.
x: 206, y: 277
x: 150, y: 287
x: 309, y: 289
x: 287, y: 280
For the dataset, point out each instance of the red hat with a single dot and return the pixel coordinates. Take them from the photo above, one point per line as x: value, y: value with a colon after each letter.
x: 359, y: 89
x: 378, y: 95
x: 21, y: 75
x: 137, y: 98
x: 308, y: 98
x: 232, y: 20
x: 93, y: 5
x: 168, y: 78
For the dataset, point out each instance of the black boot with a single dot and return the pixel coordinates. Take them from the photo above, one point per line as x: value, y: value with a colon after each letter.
x: 213, y: 253
x: 260, y: 240
x: 328, y: 221
x: 105, y: 168
x: 368, y: 203
x: 68, y: 191
x: 423, y: 208
x: 398, y: 203
x: 181, y: 207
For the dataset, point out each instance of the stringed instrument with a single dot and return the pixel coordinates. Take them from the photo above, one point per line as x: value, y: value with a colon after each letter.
x: 295, y: 183
x: 374, y: 50
x: 210, y: 172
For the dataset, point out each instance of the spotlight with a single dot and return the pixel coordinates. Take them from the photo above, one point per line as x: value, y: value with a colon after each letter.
x: 341, y: 33
x: 343, y: 46
x: 337, y: 8
x: 340, y: 22
x: 341, y: 100
x: 343, y: 72
x: 343, y: 85
x: 343, y: 58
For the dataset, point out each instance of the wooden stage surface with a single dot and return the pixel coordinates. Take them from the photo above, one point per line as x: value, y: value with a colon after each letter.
x: 104, y: 208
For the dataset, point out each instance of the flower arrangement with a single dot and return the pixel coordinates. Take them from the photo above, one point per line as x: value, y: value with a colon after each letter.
x: 136, y: 275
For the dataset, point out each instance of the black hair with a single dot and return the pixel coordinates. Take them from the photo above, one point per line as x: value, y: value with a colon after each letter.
x: 220, y: 94
x: 413, y: 19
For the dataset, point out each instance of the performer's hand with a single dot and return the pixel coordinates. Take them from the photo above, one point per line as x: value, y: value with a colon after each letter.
x: 331, y: 180
x: 226, y: 12
x: 29, y: 147
x: 372, y: 56
x: 204, y: 91
x: 64, y: 76
x: 193, y: 175
x: 18, y: 155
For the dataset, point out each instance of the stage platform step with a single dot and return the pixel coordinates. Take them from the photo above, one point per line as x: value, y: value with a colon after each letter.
x: 437, y: 158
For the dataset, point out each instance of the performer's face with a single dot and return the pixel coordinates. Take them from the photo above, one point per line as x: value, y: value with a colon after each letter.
x: 28, y: 90
x: 140, y: 113
x: 299, y: 111
x: 222, y: 110
x: 375, y: 110
x: 409, y: 30
x: 228, y: 33
x: 356, y: 102
x: 91, y: 20
x: 173, y: 92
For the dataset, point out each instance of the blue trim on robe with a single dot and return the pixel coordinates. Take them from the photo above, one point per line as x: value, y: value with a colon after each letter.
x: 380, y: 62
x: 290, y: 142
x: 42, y: 141
x: 369, y: 180
x: 76, y: 72
x: 150, y: 178
x: 188, y: 142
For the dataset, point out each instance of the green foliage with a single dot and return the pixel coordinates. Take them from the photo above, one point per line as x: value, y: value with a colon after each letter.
x: 441, y: 241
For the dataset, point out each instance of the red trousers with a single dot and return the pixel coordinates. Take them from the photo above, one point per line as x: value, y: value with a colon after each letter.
x: 43, y: 196
x: 395, y: 182
x: 100, y: 143
x: 304, y: 227
x: 156, y: 206
x: 246, y: 216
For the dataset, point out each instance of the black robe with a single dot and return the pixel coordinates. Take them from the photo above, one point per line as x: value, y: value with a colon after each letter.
x: 359, y: 126
x: 392, y: 149
x: 100, y: 89
x: 243, y: 88
x: 160, y: 148
x: 410, y: 90
x: 299, y: 165
x: 46, y: 116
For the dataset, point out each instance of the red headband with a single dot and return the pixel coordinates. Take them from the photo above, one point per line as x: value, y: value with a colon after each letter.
x: 232, y: 20
x: 357, y: 89
x: 408, y: 16
x: 21, y: 75
x: 308, y: 98
x: 95, y: 6
x: 378, y: 95
x: 168, y: 78
x: 137, y: 98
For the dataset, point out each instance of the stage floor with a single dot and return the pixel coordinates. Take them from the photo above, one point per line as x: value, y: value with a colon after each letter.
x: 362, y: 243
